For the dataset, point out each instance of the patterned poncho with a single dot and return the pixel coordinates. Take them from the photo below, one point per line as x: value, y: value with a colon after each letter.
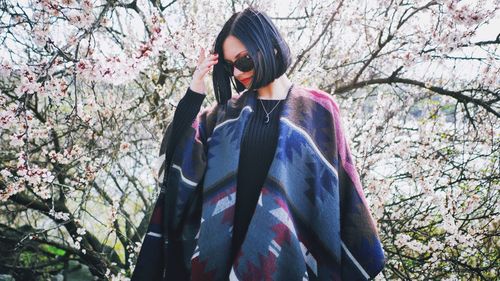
x: 311, y: 213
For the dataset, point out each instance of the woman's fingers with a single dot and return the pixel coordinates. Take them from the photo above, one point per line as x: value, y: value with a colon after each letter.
x: 213, y: 60
x: 208, y: 63
x: 203, y: 66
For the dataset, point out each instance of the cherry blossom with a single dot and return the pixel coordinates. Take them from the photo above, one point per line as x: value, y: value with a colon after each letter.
x: 88, y: 87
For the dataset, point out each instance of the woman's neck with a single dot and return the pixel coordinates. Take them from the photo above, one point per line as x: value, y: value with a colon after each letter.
x: 276, y: 90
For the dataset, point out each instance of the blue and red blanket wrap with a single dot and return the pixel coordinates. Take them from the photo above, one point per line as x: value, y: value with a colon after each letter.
x: 311, y: 222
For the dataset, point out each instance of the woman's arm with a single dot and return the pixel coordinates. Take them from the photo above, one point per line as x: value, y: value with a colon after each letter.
x: 163, y: 247
x: 185, y: 113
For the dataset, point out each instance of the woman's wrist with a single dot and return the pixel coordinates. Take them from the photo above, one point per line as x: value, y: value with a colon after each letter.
x: 200, y: 89
x: 192, y: 93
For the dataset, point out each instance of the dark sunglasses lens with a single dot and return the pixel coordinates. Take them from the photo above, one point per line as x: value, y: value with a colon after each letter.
x: 244, y: 64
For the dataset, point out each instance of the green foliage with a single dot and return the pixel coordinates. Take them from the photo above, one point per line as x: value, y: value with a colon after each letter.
x: 53, y: 250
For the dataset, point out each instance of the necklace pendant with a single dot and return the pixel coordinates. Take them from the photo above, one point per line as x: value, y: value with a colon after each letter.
x: 267, y: 113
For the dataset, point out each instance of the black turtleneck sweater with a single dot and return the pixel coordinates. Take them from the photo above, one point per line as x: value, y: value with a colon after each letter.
x: 256, y: 154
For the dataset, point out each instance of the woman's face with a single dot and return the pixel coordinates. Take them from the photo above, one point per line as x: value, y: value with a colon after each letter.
x: 234, y: 49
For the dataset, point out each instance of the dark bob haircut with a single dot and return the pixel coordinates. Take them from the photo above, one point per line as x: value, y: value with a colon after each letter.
x: 261, y: 38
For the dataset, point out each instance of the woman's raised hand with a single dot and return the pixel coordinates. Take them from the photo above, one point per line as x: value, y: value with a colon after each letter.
x: 204, y: 65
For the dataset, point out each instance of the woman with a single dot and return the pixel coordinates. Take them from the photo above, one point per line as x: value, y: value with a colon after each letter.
x: 261, y: 186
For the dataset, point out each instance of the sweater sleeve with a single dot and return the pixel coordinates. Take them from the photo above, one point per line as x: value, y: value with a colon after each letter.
x: 185, y: 113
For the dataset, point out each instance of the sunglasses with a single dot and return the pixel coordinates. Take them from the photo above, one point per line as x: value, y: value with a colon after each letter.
x: 244, y: 64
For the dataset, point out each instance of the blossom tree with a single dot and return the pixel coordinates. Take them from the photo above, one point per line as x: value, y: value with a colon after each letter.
x: 88, y: 86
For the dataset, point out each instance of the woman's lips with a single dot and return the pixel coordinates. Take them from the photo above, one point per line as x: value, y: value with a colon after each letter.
x: 246, y: 80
